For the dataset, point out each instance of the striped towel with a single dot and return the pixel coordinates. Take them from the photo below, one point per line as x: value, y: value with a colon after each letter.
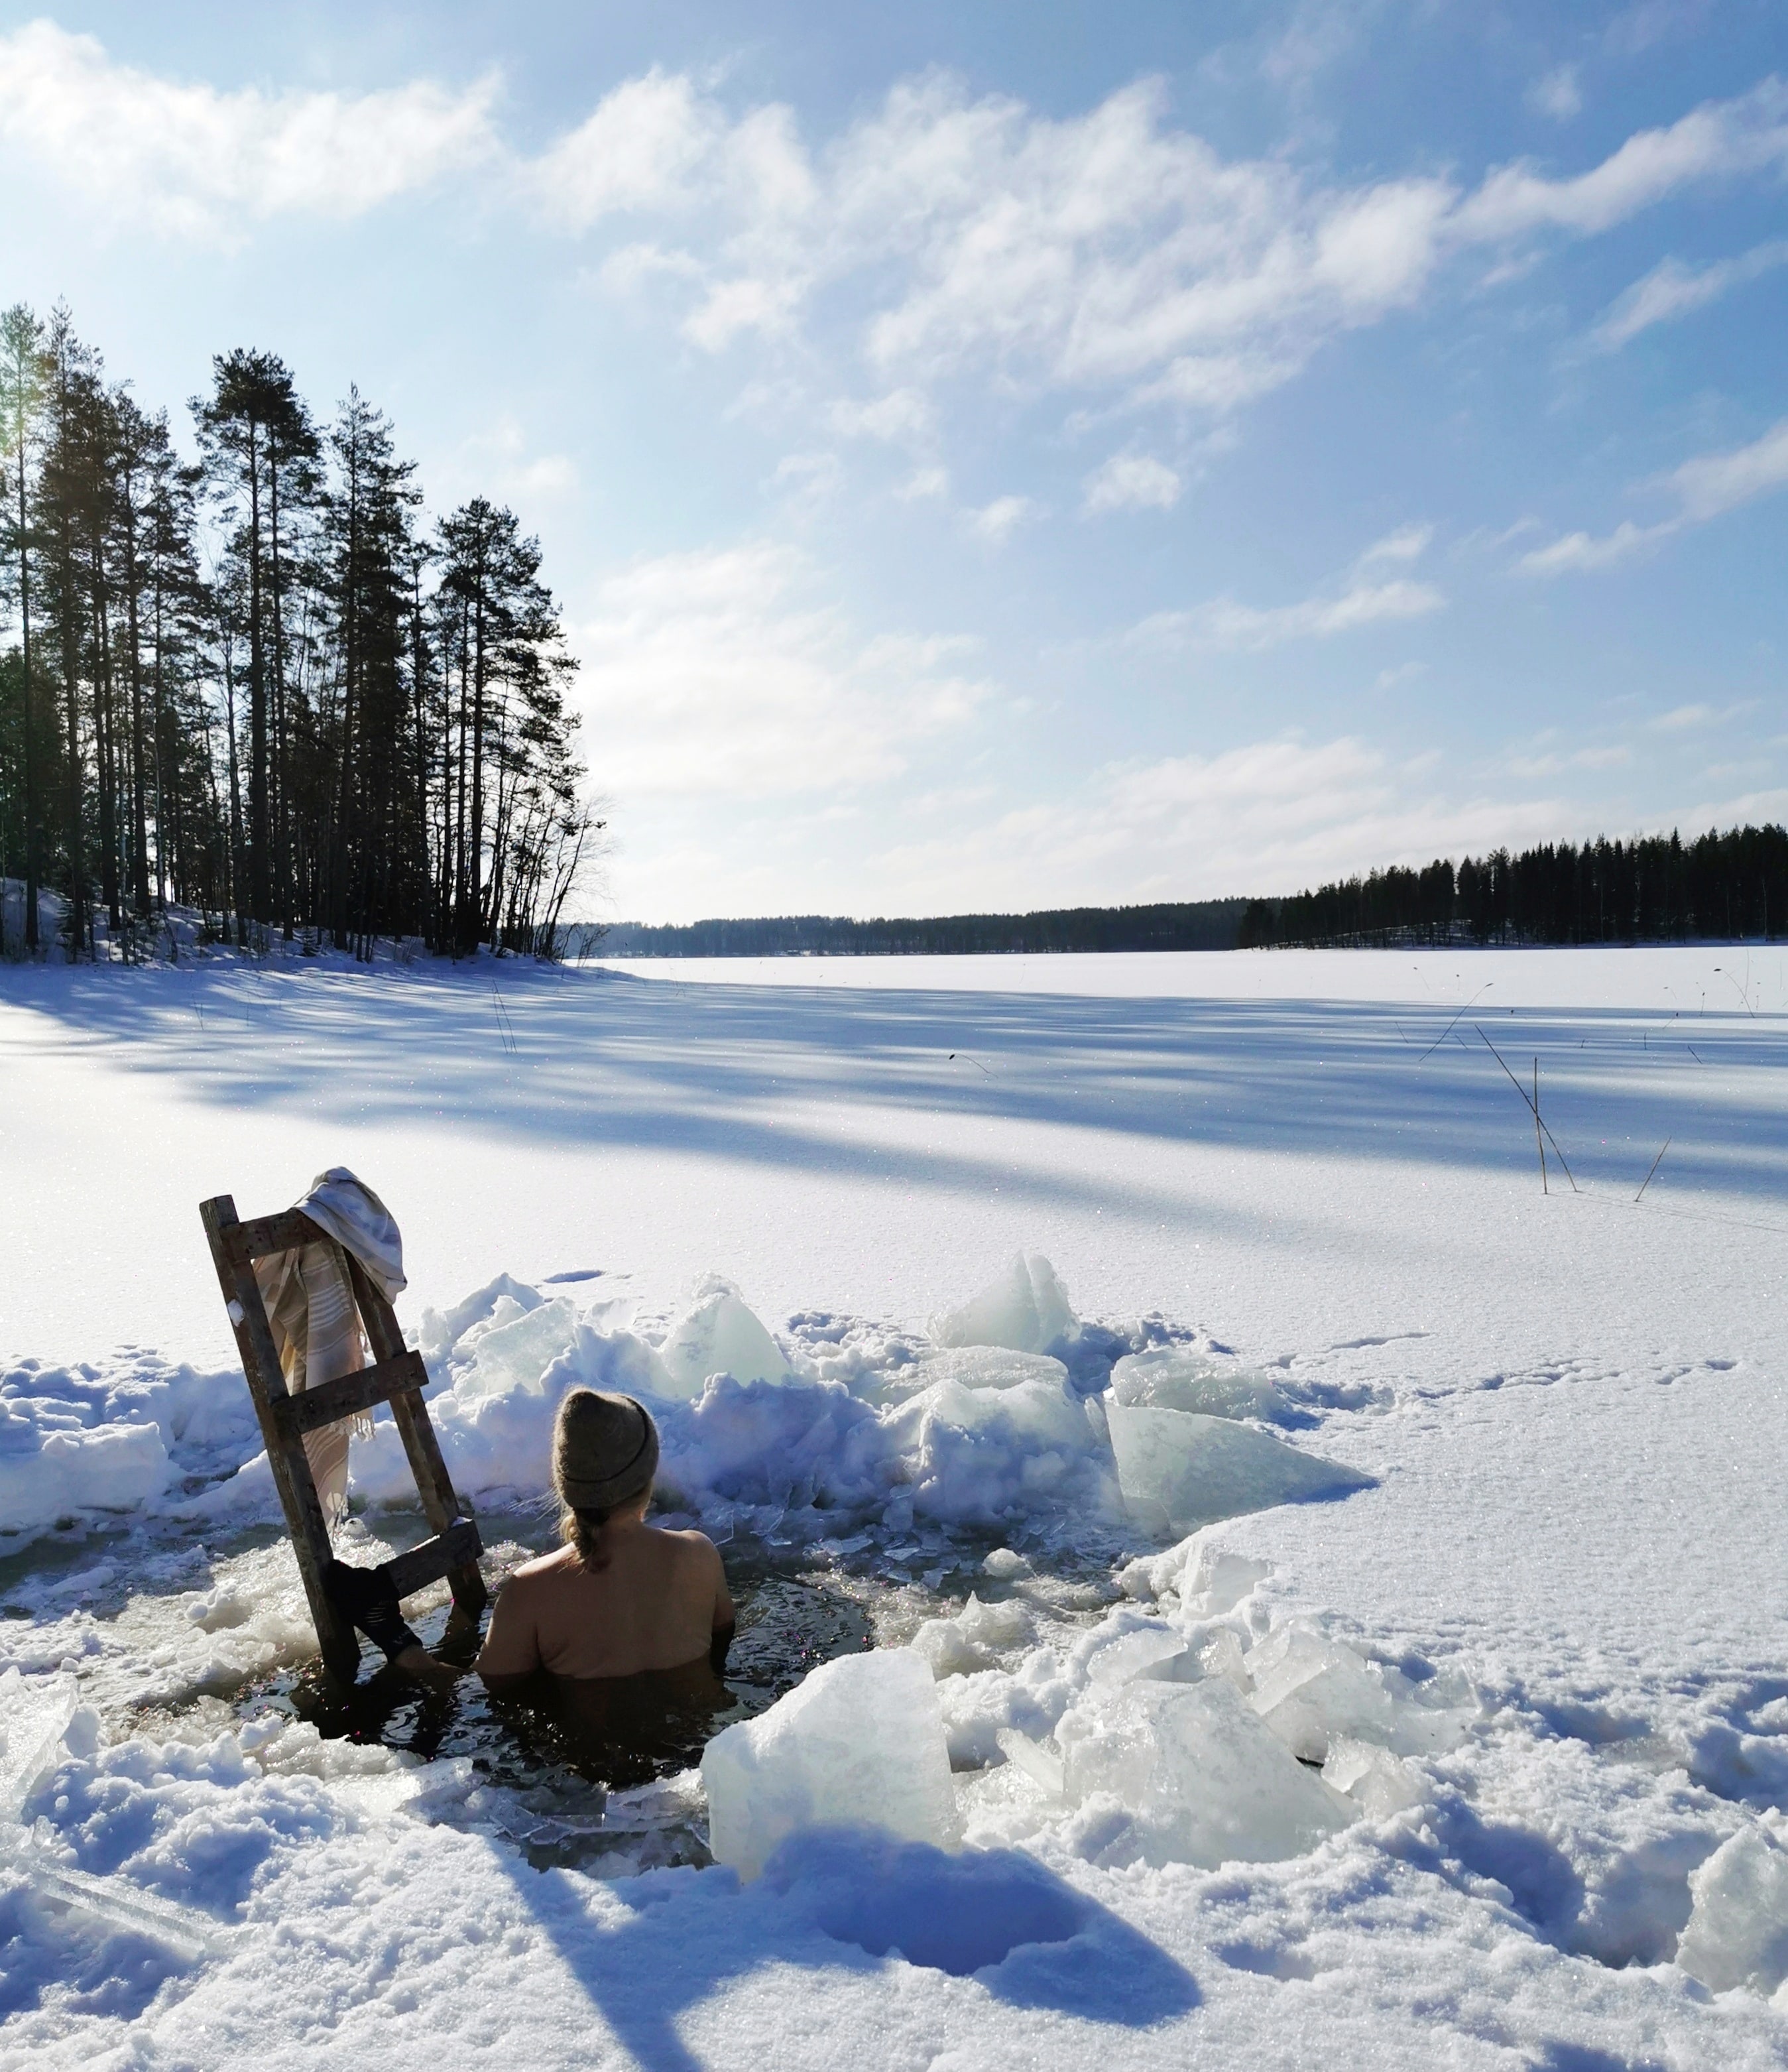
x: 316, y: 1323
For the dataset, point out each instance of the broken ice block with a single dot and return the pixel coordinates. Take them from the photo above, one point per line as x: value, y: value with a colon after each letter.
x: 1205, y: 1781
x: 1738, y: 1931
x: 1378, y: 1783
x: 1171, y: 1378
x: 986, y: 1366
x: 974, y: 1637
x: 1025, y: 1310
x: 1310, y: 1689
x: 516, y: 1352
x: 1178, y: 1471
x: 35, y: 1713
x: 718, y: 1334
x: 859, y: 1741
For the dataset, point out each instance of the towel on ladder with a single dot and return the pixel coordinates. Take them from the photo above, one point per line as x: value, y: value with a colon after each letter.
x: 316, y: 1324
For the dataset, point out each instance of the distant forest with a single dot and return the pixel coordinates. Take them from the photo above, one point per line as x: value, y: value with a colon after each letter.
x: 264, y: 683
x: 1209, y: 924
x: 1655, y: 889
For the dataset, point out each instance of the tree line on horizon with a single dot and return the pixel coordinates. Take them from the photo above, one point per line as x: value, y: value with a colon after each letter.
x: 261, y: 682
x: 1656, y: 888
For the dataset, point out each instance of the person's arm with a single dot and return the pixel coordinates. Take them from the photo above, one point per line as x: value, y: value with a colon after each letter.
x: 725, y: 1617
x: 512, y: 1650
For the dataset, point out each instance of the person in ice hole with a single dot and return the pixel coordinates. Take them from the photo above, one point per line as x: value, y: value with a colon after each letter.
x: 621, y: 1599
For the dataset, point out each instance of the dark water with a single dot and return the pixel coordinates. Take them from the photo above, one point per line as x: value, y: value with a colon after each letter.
x: 616, y: 1736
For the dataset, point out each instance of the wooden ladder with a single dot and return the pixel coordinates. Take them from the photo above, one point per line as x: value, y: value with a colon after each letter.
x: 397, y: 1377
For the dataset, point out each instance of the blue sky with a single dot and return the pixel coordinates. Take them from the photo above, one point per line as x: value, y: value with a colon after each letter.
x: 1008, y: 456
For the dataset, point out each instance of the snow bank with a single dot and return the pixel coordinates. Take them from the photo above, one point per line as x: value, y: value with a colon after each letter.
x: 860, y: 1740
x: 112, y: 1436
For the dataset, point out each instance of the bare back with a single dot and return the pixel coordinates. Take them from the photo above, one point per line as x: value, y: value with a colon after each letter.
x: 657, y: 1605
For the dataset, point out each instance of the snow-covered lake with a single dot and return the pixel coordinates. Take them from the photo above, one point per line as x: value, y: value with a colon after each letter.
x: 1564, y: 1574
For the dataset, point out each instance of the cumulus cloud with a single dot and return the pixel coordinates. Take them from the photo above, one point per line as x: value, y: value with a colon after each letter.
x: 1133, y: 481
x: 719, y: 676
x: 903, y: 415
x: 1707, y: 487
x: 1106, y: 252
x: 197, y: 162
x: 1671, y: 290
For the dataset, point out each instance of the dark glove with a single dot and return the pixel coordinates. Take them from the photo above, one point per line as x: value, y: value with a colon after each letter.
x: 367, y: 1598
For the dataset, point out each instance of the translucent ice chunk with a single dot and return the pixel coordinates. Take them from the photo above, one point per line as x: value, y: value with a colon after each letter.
x: 1169, y: 1378
x: 718, y: 1334
x: 987, y: 1367
x: 442, y: 1329
x: 1738, y: 1931
x: 1204, y: 1780
x: 1378, y: 1783
x: 516, y: 1353
x: 35, y: 1713
x: 1312, y: 1690
x: 975, y: 1639
x: 1025, y: 1310
x: 1178, y: 1471
x: 859, y: 1741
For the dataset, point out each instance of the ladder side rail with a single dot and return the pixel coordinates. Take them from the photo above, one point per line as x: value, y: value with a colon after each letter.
x: 286, y: 1455
x: 441, y: 1504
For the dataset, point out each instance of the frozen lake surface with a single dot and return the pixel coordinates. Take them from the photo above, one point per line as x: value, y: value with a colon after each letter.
x: 1310, y: 1169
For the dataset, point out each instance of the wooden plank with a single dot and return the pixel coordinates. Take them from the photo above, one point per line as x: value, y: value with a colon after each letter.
x: 457, y: 1548
x: 329, y: 1401
x: 286, y: 1455
x: 441, y: 1504
x: 287, y: 1231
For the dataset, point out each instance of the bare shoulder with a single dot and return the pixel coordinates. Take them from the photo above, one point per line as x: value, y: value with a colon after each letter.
x: 696, y: 1547
x: 542, y: 1566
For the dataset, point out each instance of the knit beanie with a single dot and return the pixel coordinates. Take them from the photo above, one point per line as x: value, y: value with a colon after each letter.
x: 605, y: 1450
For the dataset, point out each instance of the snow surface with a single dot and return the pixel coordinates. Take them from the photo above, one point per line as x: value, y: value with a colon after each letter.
x: 1537, y: 1653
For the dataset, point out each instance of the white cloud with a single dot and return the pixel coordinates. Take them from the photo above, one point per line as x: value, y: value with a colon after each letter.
x: 1557, y: 94
x: 924, y: 482
x: 715, y: 676
x: 1363, y: 599
x: 1268, y: 816
x: 1707, y: 487
x: 1577, y: 551
x: 194, y: 161
x: 1671, y: 290
x: 1719, y: 140
x: 643, y: 147
x: 1408, y: 543
x: 1133, y: 481
x: 902, y: 415
x: 1714, y: 483
x: 995, y: 522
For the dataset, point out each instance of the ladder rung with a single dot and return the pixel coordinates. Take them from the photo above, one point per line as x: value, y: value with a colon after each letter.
x: 457, y: 1548
x: 348, y: 1394
x: 258, y: 1235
